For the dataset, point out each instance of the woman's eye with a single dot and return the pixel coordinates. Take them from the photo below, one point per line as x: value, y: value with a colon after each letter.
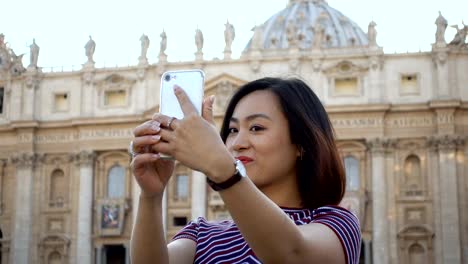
x: 256, y: 128
x: 232, y: 130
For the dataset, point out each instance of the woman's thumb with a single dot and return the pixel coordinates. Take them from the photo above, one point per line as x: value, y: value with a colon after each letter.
x: 207, y: 112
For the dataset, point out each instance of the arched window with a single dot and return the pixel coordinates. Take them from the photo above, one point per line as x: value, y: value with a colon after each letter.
x: 352, y: 173
x: 412, y: 171
x: 116, y: 182
x: 55, y: 258
x: 57, y: 188
x: 417, y: 254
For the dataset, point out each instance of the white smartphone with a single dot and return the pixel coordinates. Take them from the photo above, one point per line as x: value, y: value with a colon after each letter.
x: 191, y: 81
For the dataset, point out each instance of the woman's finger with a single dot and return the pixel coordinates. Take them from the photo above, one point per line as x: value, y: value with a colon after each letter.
x: 166, y: 121
x: 147, y: 128
x: 163, y: 147
x: 207, y: 112
x: 140, y: 143
x: 184, y: 101
x: 141, y: 160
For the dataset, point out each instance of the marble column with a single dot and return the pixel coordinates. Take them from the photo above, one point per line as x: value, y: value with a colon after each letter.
x: 98, y: 250
x: 20, y: 251
x: 379, y: 203
x: 367, y: 252
x: 198, y: 195
x: 84, y: 250
x: 449, y: 208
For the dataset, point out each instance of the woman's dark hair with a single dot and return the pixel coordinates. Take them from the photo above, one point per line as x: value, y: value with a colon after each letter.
x: 320, y: 172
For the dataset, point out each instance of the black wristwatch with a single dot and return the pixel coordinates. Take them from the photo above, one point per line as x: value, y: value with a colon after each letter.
x: 238, y: 175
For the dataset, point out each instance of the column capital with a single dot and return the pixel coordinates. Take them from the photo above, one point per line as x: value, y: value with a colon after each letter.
x: 381, y: 145
x: 445, y: 142
x: 26, y: 159
x: 84, y: 158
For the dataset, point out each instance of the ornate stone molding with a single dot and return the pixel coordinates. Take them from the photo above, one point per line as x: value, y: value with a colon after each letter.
x: 26, y: 160
x: 84, y: 158
x: 381, y: 145
x: 445, y: 142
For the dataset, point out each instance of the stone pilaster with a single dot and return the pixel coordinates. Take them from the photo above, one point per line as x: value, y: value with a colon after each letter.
x: 2, y: 180
x: 379, y: 202
x: 32, y: 82
x: 439, y: 57
x: 433, y: 173
x: 392, y: 210
x: 198, y: 195
x: 84, y: 250
x: 22, y: 230
x: 449, y: 205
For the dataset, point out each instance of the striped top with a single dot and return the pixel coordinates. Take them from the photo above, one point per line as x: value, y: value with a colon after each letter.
x: 222, y: 242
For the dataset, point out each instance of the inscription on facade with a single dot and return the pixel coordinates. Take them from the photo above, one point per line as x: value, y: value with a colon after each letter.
x: 409, y: 121
x: 390, y: 122
x: 107, y: 133
x: 357, y: 122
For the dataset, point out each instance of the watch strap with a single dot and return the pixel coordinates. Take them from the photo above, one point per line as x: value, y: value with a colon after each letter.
x: 225, y: 184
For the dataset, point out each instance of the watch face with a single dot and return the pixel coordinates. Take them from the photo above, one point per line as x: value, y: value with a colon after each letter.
x: 240, y: 167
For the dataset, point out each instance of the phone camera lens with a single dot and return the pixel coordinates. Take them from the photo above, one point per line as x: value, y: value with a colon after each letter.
x: 167, y: 77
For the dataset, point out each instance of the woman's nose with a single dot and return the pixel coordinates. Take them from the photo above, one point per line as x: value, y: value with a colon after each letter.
x: 240, y: 141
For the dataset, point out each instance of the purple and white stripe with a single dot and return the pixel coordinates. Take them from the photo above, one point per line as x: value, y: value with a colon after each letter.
x: 222, y: 242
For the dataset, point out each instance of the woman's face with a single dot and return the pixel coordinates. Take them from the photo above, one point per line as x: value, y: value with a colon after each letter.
x: 259, y: 137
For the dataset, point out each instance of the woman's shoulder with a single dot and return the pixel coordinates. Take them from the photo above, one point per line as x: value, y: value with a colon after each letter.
x: 333, y: 210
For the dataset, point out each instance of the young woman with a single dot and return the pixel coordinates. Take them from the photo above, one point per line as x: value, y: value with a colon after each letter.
x: 284, y: 208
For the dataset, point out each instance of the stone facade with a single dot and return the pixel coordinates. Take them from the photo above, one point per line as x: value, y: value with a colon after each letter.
x: 67, y: 194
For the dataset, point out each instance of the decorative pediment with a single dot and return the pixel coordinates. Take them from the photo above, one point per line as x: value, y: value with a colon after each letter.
x: 345, y: 68
x: 222, y: 87
x: 115, y: 82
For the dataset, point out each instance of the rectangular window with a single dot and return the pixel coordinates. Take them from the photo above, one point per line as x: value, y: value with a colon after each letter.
x: 115, y: 98
x: 409, y: 84
x: 61, y: 102
x: 182, y: 187
x: 2, y: 91
x: 179, y: 221
x: 346, y: 86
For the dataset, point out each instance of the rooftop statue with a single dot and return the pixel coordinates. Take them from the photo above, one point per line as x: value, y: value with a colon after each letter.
x: 89, y: 49
x: 34, y: 54
x: 144, y: 46
x: 460, y: 37
x: 199, y: 40
x: 257, y: 39
x: 372, y: 34
x: 441, y: 23
x: 229, y: 35
x: 163, y: 43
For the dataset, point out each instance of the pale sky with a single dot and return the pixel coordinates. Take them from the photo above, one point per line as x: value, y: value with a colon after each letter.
x: 61, y: 27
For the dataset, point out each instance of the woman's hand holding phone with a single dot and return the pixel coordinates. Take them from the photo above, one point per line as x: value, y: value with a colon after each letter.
x: 151, y: 172
x: 194, y: 139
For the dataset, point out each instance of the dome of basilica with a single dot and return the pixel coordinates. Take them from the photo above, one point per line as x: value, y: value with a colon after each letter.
x: 307, y: 24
